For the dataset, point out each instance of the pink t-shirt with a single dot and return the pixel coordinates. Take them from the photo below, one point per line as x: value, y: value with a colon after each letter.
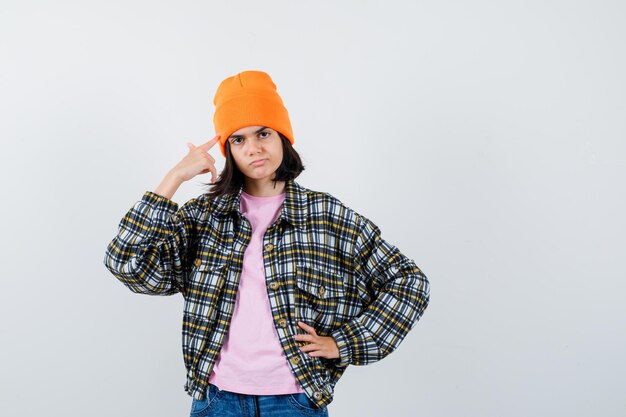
x: 252, y: 360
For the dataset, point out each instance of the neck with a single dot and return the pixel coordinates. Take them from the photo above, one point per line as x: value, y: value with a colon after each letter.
x: 263, y: 188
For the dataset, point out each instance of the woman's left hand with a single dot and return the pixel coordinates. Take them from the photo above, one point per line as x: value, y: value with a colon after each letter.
x: 322, y: 346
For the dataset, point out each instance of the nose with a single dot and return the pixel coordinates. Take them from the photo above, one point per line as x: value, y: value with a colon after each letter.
x: 254, y: 146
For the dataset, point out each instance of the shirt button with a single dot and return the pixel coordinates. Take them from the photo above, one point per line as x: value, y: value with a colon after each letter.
x: 317, y: 395
x: 295, y: 359
x: 269, y: 247
x: 282, y: 322
x: 273, y: 285
x: 322, y: 290
x: 198, y: 262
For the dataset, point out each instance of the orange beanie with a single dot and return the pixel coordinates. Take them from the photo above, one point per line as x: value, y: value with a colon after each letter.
x: 249, y: 99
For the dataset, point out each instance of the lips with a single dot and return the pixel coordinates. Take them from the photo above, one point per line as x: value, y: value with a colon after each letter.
x: 258, y: 162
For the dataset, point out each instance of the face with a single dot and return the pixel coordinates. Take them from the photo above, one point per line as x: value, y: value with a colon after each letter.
x: 254, y: 143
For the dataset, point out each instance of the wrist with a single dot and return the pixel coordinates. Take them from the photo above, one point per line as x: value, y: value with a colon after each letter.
x: 168, y: 186
x: 174, y: 177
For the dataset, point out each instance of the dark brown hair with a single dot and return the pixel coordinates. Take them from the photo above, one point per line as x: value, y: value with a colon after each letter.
x: 231, y: 178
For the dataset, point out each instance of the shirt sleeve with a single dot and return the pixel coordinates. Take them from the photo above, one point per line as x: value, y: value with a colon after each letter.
x: 150, y: 252
x: 402, y: 294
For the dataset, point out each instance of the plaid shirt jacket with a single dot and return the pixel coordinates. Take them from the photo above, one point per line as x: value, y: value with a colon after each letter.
x: 325, y: 265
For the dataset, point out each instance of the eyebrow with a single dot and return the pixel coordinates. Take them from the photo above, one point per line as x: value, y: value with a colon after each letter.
x: 241, y: 136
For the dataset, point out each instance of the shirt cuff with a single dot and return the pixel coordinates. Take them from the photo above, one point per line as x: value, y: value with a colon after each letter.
x: 153, y: 199
x: 344, y: 347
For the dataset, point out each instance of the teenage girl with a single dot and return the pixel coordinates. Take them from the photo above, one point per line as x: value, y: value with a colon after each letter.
x: 284, y: 287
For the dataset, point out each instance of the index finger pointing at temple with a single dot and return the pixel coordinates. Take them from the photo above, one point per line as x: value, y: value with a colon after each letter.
x: 208, y: 145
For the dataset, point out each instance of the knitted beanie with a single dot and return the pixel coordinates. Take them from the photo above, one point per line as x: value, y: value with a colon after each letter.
x: 249, y: 99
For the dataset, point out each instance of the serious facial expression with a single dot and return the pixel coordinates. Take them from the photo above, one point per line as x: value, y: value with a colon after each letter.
x: 257, y: 150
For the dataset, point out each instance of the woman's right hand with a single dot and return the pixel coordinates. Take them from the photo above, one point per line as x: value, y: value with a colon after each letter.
x: 197, y: 161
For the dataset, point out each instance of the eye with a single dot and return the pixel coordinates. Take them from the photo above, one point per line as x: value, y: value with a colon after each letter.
x: 266, y: 133
x: 235, y: 139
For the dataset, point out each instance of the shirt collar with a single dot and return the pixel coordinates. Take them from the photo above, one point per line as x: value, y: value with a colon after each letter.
x: 294, y: 208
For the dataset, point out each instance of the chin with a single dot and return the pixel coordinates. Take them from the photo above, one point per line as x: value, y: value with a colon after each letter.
x: 257, y: 176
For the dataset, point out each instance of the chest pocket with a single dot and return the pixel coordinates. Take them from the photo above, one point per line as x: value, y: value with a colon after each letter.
x: 205, y: 285
x: 318, y: 293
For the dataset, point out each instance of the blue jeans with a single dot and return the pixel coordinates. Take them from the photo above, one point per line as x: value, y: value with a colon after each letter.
x: 223, y: 403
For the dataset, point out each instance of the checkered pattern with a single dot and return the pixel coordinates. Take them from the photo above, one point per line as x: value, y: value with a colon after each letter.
x: 325, y: 265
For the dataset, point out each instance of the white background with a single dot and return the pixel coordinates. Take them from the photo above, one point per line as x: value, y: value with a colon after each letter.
x: 485, y: 138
